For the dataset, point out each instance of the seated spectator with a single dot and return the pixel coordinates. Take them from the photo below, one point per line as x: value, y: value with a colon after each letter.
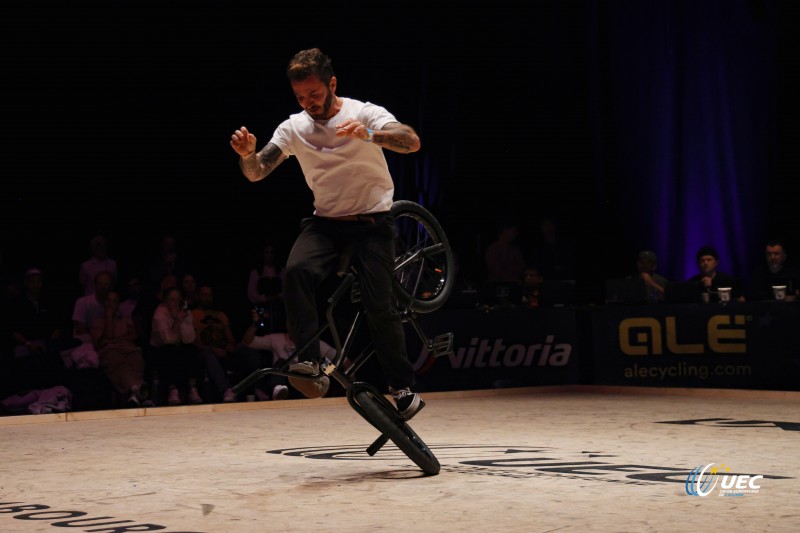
x: 114, y: 336
x: 173, y: 353
x: 774, y: 271
x: 40, y: 333
x: 282, y: 348
x: 150, y: 300
x: 132, y: 306
x: 214, y: 339
x: 98, y: 262
x: 553, y: 254
x: 654, y: 282
x: 503, y: 257
x: 189, y: 290
x: 168, y: 260
x: 265, y: 287
x: 710, y: 279
x: 87, y: 309
x: 531, y: 283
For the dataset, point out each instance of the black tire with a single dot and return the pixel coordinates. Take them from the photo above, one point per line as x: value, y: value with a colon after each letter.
x: 393, y: 426
x: 424, y: 283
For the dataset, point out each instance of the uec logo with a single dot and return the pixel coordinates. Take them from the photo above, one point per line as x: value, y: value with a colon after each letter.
x: 702, y: 480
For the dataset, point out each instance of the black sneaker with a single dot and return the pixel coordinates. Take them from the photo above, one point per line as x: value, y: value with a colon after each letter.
x: 304, y: 367
x: 133, y: 401
x: 407, y: 402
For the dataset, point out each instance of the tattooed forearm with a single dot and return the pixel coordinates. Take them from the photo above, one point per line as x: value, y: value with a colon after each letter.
x: 398, y: 138
x: 257, y: 166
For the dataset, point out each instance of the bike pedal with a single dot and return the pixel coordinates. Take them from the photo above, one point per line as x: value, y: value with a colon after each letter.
x: 355, y: 293
x: 441, y: 345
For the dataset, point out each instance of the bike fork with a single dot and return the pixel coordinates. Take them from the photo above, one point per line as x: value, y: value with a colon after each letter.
x: 381, y: 399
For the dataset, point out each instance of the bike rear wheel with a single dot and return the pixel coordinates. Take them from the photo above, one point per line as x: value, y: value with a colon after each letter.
x: 388, y: 421
x: 424, y: 262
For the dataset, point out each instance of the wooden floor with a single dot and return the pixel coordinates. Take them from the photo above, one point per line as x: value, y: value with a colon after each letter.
x: 529, y: 460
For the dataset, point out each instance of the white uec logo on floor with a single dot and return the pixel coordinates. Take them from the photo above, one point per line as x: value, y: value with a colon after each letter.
x: 702, y: 480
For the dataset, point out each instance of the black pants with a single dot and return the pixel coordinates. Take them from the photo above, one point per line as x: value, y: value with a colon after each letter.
x: 316, y: 255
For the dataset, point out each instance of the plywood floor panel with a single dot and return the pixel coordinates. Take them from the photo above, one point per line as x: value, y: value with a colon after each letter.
x: 527, y: 460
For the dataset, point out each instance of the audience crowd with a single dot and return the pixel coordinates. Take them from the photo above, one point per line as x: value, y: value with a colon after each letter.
x: 125, y: 336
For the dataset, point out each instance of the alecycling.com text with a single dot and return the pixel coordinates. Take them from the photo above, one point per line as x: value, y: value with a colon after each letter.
x: 685, y: 370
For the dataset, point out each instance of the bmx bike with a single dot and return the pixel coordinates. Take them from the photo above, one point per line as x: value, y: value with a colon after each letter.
x: 423, y: 279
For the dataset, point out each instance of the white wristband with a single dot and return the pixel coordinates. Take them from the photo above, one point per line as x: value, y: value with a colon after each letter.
x: 370, y: 134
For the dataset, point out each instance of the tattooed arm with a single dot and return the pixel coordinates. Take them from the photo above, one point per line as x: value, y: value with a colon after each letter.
x: 394, y: 136
x: 397, y: 137
x: 255, y: 165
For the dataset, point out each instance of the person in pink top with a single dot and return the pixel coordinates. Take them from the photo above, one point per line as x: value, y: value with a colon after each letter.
x: 174, y: 356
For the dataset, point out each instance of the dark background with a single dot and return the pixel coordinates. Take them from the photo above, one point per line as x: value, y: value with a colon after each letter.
x: 657, y: 124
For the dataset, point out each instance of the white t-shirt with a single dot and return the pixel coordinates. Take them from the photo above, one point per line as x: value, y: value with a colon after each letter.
x: 87, y: 309
x: 348, y: 176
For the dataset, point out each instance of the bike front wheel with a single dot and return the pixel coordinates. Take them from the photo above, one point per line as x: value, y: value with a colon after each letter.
x: 424, y: 271
x: 391, y: 424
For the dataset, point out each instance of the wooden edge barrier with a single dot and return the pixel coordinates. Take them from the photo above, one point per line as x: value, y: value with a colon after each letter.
x: 77, y: 416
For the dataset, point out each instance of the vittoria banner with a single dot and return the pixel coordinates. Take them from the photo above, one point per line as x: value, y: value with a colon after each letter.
x: 500, y: 347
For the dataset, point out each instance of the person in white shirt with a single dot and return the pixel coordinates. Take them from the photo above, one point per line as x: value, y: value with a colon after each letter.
x: 339, y: 145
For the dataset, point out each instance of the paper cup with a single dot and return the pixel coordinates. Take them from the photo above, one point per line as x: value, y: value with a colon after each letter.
x: 779, y: 291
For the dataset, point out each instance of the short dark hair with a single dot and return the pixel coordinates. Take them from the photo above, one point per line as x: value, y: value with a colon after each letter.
x: 307, y: 63
x: 707, y: 250
x: 776, y: 242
